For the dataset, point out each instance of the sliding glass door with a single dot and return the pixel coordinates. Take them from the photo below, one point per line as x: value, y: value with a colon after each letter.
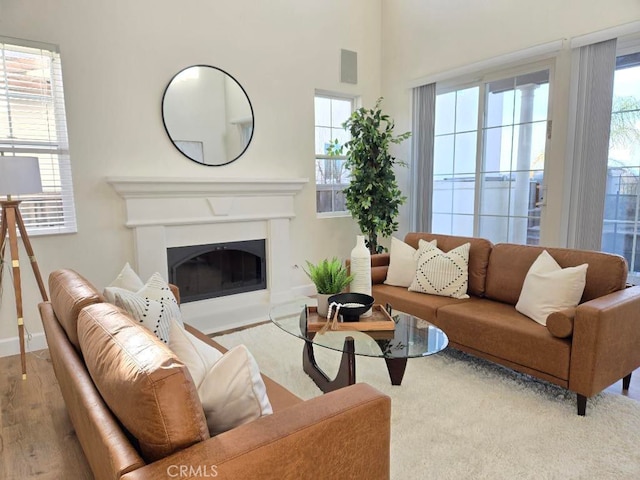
x: 489, y: 156
x: 622, y: 196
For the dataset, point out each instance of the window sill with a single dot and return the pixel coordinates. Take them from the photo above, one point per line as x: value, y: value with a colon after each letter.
x: 41, y: 232
x: 334, y: 214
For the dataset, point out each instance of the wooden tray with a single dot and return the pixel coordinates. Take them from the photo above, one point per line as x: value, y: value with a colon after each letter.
x: 380, y: 320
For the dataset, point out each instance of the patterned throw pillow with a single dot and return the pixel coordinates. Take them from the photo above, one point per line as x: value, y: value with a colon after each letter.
x: 444, y: 274
x: 154, y: 306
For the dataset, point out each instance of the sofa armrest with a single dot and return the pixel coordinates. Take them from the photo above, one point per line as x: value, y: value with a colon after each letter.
x: 606, y: 341
x: 343, y: 434
x: 176, y: 292
x: 379, y: 267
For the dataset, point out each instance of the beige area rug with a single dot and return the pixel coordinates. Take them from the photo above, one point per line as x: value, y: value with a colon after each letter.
x: 457, y: 417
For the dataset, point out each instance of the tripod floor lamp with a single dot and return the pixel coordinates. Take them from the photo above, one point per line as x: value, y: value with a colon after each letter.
x: 18, y: 176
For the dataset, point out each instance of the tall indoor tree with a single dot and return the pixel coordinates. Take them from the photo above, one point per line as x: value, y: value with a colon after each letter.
x: 373, y: 196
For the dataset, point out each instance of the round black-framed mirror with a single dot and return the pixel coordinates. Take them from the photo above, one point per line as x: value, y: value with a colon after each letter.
x: 207, y: 115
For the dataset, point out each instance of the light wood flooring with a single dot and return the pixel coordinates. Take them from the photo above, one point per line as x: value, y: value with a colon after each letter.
x: 37, y: 439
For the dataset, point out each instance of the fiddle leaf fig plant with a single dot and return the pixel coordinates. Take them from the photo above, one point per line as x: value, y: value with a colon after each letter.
x: 373, y: 196
x: 329, y: 276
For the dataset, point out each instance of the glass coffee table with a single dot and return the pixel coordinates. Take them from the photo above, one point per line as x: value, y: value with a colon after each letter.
x: 411, y: 337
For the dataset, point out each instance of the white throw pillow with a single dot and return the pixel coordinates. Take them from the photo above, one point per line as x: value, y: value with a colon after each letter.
x: 154, y: 306
x: 550, y: 288
x: 444, y: 274
x: 127, y: 279
x: 233, y: 392
x: 197, y: 355
x: 403, y: 260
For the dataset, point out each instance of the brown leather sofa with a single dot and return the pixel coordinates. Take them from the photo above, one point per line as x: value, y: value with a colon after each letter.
x: 343, y: 434
x: 584, y: 349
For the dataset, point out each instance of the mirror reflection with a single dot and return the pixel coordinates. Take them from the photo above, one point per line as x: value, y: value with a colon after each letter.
x: 208, y: 115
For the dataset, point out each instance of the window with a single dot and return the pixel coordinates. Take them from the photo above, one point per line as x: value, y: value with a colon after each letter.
x: 489, y: 147
x: 332, y: 177
x: 33, y: 123
x: 622, y: 196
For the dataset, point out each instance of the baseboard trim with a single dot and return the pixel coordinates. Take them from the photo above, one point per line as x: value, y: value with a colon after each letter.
x: 11, y: 346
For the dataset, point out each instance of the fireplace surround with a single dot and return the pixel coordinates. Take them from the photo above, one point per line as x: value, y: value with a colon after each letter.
x: 177, y: 212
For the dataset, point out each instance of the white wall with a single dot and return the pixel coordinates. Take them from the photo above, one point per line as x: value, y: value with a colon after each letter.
x: 117, y: 58
x: 426, y: 37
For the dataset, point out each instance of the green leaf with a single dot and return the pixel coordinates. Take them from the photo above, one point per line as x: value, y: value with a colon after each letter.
x: 329, y: 276
x: 373, y: 196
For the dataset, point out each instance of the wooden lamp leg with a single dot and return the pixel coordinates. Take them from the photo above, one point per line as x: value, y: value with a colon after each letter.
x: 10, y: 213
x: 3, y: 236
x: 32, y: 257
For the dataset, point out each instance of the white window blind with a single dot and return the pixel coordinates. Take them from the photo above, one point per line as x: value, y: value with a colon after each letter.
x: 33, y: 123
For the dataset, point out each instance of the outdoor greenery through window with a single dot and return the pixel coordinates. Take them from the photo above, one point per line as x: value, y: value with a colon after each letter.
x: 332, y: 177
x: 33, y: 124
x: 622, y: 197
x: 489, y: 151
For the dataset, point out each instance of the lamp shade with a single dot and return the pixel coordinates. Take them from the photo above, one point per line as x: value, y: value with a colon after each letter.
x: 19, y: 175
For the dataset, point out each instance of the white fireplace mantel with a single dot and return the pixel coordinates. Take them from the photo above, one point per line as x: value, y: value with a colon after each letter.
x: 158, y: 187
x: 174, y: 212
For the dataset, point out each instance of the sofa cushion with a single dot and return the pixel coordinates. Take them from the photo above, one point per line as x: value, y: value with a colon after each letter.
x: 549, y: 288
x: 498, y: 329
x: 440, y: 273
x: 509, y: 264
x: 418, y: 304
x: 144, y: 384
x: 478, y: 255
x: 70, y: 292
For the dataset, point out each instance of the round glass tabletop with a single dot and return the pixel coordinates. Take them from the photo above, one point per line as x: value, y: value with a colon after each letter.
x: 410, y: 336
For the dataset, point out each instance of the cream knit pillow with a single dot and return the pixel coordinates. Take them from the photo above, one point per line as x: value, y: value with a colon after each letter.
x: 403, y: 261
x: 550, y: 288
x: 127, y: 279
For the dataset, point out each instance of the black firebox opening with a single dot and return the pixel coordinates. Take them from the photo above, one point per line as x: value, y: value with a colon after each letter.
x: 216, y: 270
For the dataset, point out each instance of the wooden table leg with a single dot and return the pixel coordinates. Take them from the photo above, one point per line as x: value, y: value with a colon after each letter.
x: 346, y: 372
x: 396, y: 368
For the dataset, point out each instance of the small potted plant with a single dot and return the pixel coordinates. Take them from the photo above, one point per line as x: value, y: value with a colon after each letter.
x: 330, y: 277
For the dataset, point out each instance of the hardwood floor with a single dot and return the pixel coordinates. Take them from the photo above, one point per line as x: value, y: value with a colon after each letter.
x: 37, y: 439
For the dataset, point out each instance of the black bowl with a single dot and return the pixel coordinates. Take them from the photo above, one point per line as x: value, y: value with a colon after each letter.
x: 353, y: 305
